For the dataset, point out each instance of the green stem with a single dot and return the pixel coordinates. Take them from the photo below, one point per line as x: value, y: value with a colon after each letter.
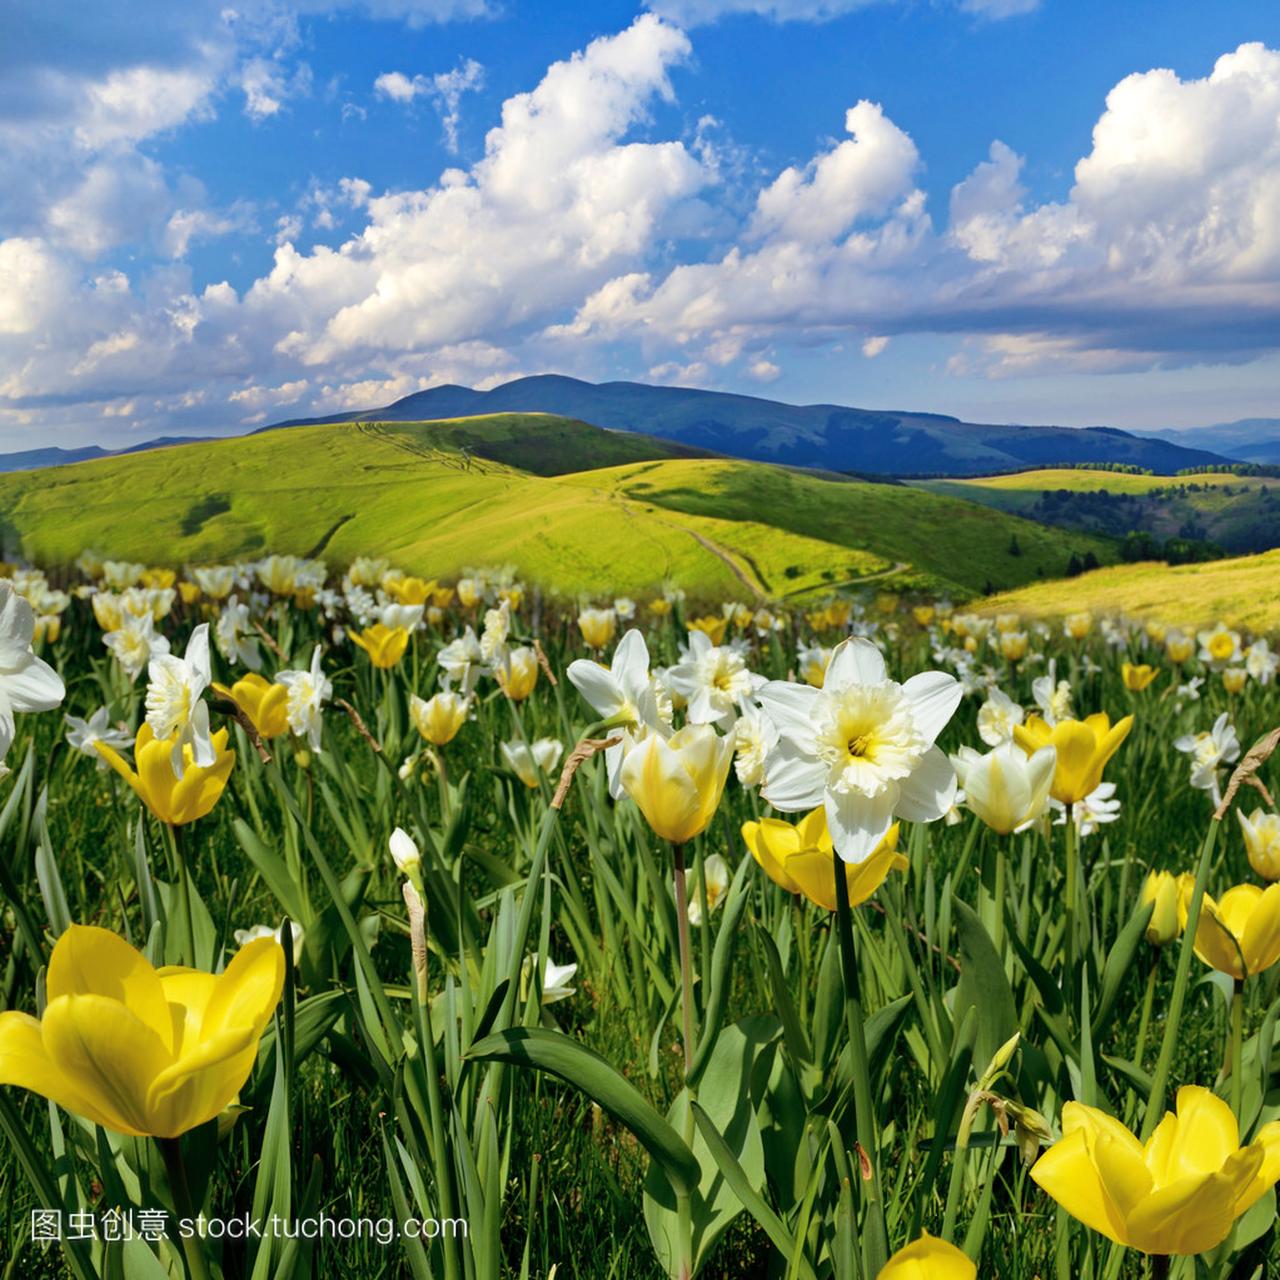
x: 188, y: 950
x: 957, y: 1170
x: 1144, y: 1020
x: 1073, y: 859
x: 192, y: 1251
x: 1160, y: 1080
x: 684, y: 1208
x: 875, y: 1245
x: 1235, y: 1052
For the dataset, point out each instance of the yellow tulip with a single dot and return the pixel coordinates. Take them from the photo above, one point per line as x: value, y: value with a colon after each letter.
x: 518, y: 673
x: 1179, y: 647
x: 678, y: 781
x: 598, y: 627
x: 189, y: 591
x: 923, y: 614
x: 174, y: 800
x: 1013, y: 645
x: 410, y: 590
x: 1261, y: 832
x: 158, y: 579
x: 439, y: 718
x: 1178, y: 1194
x: 385, y: 645
x: 1137, y: 677
x: 107, y: 610
x: 1161, y: 889
x: 928, y: 1259
x: 1234, y: 679
x: 266, y: 704
x: 1078, y: 625
x: 660, y: 607
x: 711, y: 626
x: 143, y: 1051
x: 1238, y: 935
x: 1083, y: 746
x: 801, y: 859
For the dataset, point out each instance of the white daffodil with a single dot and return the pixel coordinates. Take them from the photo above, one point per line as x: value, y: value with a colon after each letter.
x: 245, y: 936
x: 624, y: 608
x: 1219, y: 647
x: 174, y: 702
x: 27, y: 683
x: 623, y: 696
x: 1190, y: 692
x: 235, y: 637
x: 531, y: 762
x: 1006, y: 788
x: 497, y: 627
x: 1209, y: 751
x: 308, y: 692
x: 555, y: 979
x: 756, y: 735
x: 404, y: 852
x: 997, y: 717
x: 134, y: 643
x: 713, y: 680
x: 862, y: 746
x: 83, y: 735
x: 1052, y: 696
x: 462, y: 661
x: 1260, y: 662
x: 1097, y: 809
x: 408, y: 616
x: 715, y: 876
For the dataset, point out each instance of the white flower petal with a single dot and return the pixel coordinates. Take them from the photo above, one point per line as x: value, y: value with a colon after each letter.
x: 858, y: 823
x: 930, y: 790
x: 934, y: 697
x: 789, y: 706
x: 854, y: 661
x: 794, y: 782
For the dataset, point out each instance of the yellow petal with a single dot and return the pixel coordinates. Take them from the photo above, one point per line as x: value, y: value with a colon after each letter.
x: 1194, y: 1214
x: 202, y: 1082
x: 110, y: 1054
x: 928, y: 1259
x: 91, y: 961
x: 1261, y: 940
x: 246, y: 993
x: 1067, y: 1173
x: 25, y: 1063
x: 1194, y: 1142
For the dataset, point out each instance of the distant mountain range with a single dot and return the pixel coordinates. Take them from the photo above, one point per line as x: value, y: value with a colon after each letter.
x: 33, y: 459
x: 826, y: 436
x: 833, y: 437
x: 1246, y: 440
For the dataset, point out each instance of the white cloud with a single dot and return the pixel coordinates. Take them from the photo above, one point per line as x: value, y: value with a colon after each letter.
x: 444, y: 89
x: 763, y: 370
x: 692, y: 13
x: 875, y: 346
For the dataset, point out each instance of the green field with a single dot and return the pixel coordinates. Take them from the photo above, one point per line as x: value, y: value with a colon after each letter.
x: 1238, y: 513
x: 569, y: 505
x: 1243, y: 592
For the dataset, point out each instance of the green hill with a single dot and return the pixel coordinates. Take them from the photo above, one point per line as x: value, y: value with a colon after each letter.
x: 574, y: 508
x: 1238, y: 513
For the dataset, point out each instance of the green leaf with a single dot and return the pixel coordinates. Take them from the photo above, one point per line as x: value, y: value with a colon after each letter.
x: 1119, y: 962
x: 558, y: 1055
x: 982, y: 986
x: 725, y: 1093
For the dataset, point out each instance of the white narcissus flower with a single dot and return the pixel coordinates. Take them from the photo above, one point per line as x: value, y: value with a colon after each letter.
x: 174, y: 702
x: 555, y: 978
x: 996, y: 718
x: 623, y: 695
x: 1219, y: 647
x: 625, y: 608
x: 1006, y: 788
x: 862, y: 746
x: 1260, y: 662
x: 82, y: 735
x: 1209, y: 751
x: 755, y: 735
x: 1097, y: 809
x: 308, y: 692
x: 408, y: 616
x: 134, y: 643
x: 234, y: 635
x: 404, y: 852
x: 713, y: 680
x: 715, y: 876
x: 27, y: 683
x: 462, y: 661
x: 497, y: 627
x: 531, y: 762
x: 1052, y: 696
x: 245, y: 936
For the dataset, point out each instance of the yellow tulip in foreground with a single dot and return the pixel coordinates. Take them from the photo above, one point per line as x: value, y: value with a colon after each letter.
x: 143, y: 1051
x: 800, y: 859
x: 174, y: 800
x: 266, y: 704
x: 677, y: 781
x: 928, y: 1259
x: 1178, y: 1194
x: 1083, y: 746
x: 439, y: 717
x: 1238, y: 934
x: 385, y: 645
x: 1161, y: 890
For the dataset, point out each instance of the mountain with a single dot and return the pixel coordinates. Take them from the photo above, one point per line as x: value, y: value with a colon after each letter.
x: 574, y: 508
x: 834, y: 437
x: 1245, y: 440
x: 30, y: 459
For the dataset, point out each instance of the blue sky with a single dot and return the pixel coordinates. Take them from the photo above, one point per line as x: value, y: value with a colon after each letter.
x: 1009, y: 210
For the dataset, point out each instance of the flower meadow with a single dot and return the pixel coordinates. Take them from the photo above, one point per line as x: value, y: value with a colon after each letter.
x: 354, y: 924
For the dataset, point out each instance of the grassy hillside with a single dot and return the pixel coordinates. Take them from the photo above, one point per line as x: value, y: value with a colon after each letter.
x: 1242, y: 591
x: 437, y: 497
x: 1239, y: 513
